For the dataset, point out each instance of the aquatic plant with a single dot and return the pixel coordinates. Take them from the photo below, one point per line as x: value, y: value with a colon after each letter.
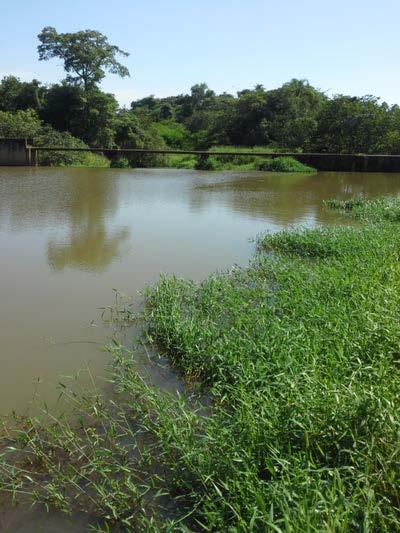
x: 382, y: 209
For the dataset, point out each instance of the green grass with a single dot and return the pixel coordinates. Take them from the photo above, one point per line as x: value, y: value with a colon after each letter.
x: 182, y: 161
x: 73, y: 159
x: 384, y: 209
x: 89, y: 159
x: 119, y: 162
x: 299, y: 354
x: 246, y: 162
x: 283, y: 164
x: 239, y: 162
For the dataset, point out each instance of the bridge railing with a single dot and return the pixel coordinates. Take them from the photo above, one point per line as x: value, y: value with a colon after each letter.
x: 320, y: 161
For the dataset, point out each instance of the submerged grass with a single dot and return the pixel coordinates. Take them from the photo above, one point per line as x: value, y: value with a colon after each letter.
x: 300, y: 354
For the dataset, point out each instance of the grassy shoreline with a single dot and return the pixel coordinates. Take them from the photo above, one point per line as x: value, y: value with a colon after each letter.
x: 299, y: 353
x: 187, y: 162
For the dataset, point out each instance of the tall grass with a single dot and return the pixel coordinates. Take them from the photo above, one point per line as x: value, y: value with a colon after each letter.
x: 239, y: 162
x: 299, y: 353
x: 90, y: 159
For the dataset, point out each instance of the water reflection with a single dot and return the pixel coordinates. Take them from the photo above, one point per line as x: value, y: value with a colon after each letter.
x: 91, y: 244
x: 92, y: 249
x: 291, y: 199
x: 78, y: 205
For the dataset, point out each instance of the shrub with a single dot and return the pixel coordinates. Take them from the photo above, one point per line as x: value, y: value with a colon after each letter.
x: 120, y: 162
x: 47, y: 136
x: 207, y: 163
x: 182, y: 161
x: 175, y: 135
x: 283, y: 164
x: 21, y: 124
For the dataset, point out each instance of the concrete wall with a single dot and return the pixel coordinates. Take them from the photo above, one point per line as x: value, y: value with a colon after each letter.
x: 13, y: 152
x: 351, y: 163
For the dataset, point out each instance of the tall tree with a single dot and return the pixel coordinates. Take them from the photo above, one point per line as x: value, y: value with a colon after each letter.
x: 87, y: 55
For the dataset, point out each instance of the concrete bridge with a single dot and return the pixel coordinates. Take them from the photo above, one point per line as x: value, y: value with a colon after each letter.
x: 19, y: 152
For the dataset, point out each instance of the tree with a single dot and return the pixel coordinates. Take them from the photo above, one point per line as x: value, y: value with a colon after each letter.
x: 292, y: 112
x: 350, y: 124
x: 63, y: 107
x: 248, y: 125
x: 87, y: 115
x: 201, y: 96
x: 135, y: 129
x: 18, y: 95
x: 19, y: 124
x: 87, y: 55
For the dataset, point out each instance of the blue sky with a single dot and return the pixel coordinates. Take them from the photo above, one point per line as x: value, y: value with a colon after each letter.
x: 349, y: 47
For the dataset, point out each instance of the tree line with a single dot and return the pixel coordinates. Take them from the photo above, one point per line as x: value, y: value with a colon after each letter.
x: 76, y: 112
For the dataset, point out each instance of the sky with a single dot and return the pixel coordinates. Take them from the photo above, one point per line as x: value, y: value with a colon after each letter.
x: 340, y: 46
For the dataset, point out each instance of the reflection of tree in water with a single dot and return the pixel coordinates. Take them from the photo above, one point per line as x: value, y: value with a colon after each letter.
x: 87, y: 250
x: 82, y: 201
x: 89, y: 245
x: 290, y: 198
x: 265, y: 196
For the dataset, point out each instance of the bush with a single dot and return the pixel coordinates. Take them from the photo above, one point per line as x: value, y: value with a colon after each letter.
x: 21, y: 124
x: 207, y: 163
x: 134, y: 131
x: 47, y: 136
x: 120, y: 162
x: 175, y: 135
x: 182, y: 161
x: 94, y: 160
x: 283, y: 164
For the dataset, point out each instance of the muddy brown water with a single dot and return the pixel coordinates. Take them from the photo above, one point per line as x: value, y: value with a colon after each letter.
x: 69, y: 236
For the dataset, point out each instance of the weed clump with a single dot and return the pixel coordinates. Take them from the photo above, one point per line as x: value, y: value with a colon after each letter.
x: 380, y: 210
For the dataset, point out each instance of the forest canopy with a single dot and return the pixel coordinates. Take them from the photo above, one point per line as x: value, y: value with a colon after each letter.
x: 295, y: 116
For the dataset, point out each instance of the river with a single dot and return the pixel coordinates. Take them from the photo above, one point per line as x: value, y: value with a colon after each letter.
x: 69, y: 236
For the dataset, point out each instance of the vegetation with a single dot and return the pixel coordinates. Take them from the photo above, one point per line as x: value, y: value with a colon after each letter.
x: 283, y: 164
x: 299, y: 354
x: 239, y: 162
x: 27, y: 124
x: 296, y: 116
x: 86, y: 55
x: 47, y: 136
x: 120, y: 162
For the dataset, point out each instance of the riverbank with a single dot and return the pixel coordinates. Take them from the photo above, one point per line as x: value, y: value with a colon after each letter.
x: 217, y: 162
x: 240, y: 162
x: 299, y: 354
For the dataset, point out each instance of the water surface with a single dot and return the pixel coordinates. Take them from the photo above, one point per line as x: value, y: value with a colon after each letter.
x: 69, y: 236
